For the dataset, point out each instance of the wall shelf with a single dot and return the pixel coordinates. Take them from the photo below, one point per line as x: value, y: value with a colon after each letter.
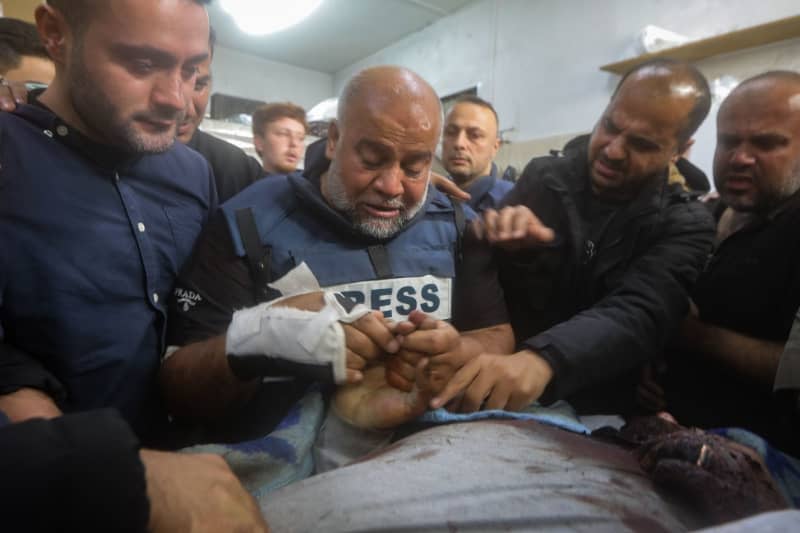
x: 771, y: 32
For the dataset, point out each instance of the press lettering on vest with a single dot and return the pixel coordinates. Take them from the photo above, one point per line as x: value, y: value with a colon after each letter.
x: 430, y: 298
x: 397, y: 297
x: 406, y: 297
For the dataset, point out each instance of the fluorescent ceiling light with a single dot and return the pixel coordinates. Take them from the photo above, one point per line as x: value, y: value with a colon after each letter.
x: 260, y: 17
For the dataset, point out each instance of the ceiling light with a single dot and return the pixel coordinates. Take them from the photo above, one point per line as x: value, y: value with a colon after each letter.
x: 260, y: 17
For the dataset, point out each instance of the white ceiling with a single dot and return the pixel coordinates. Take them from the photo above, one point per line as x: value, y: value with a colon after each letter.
x: 338, y: 33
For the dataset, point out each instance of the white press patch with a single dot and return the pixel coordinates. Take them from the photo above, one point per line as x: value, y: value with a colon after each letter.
x: 397, y: 297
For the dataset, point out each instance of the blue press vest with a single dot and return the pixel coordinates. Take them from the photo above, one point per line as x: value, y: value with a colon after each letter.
x: 293, y: 220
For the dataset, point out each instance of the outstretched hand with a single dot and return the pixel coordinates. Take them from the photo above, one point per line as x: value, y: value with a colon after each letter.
x: 512, y: 228
x: 491, y: 381
x: 449, y: 187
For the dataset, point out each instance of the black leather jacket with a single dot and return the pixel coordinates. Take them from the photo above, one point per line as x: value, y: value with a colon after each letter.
x: 596, y: 310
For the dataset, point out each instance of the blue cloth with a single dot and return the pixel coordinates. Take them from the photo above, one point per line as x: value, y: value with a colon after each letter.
x: 283, y: 456
x: 785, y: 469
x: 560, y: 414
x: 92, y: 242
x: 487, y: 191
x: 4, y: 419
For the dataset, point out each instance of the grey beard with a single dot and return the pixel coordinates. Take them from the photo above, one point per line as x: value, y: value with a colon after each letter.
x: 376, y: 227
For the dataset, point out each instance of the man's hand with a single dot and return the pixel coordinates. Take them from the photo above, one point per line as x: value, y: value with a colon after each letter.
x: 374, y: 404
x: 431, y: 340
x: 197, y: 493
x: 25, y: 404
x: 649, y: 393
x: 490, y: 381
x: 449, y: 187
x: 512, y: 228
x: 367, y: 339
x: 12, y: 94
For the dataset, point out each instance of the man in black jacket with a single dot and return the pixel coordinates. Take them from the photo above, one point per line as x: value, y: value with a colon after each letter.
x: 600, y: 295
x: 724, y: 364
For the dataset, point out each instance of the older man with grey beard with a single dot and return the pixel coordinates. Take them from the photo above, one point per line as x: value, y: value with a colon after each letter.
x: 381, y: 256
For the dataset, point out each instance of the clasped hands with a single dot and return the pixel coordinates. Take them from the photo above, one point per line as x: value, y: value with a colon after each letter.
x: 395, y: 368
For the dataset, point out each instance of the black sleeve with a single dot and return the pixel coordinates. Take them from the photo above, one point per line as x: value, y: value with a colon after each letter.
x: 79, y: 472
x: 20, y: 370
x: 213, y: 284
x: 477, y: 296
x: 631, y: 324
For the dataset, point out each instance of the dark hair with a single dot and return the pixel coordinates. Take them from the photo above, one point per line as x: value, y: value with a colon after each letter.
x: 76, y: 12
x: 271, y: 112
x: 17, y: 40
x: 477, y: 100
x: 689, y: 73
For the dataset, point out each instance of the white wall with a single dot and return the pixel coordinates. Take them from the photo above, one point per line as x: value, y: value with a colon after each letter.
x: 247, y: 76
x: 538, y: 60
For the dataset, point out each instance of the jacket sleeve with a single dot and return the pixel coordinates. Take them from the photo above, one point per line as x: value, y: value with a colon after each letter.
x: 632, y: 323
x: 79, y: 472
x: 19, y: 369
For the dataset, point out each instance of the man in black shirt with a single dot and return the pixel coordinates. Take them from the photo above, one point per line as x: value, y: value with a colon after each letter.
x: 370, y: 227
x: 724, y: 368
x: 233, y: 169
x: 600, y: 294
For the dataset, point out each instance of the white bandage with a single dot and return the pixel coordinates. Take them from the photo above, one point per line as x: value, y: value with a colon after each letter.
x: 304, y: 337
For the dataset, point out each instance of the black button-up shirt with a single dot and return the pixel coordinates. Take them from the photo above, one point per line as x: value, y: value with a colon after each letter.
x: 91, y: 242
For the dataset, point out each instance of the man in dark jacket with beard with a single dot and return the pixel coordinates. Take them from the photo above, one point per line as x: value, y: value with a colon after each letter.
x: 610, y: 284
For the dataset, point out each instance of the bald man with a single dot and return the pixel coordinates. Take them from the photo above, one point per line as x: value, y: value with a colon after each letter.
x: 729, y: 348
x: 379, y: 260
x: 469, y: 145
x: 599, y: 294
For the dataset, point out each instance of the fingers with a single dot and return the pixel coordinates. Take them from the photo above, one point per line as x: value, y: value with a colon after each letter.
x: 650, y: 400
x: 359, y: 347
x: 398, y: 381
x: 422, y: 320
x: 449, y: 187
x: 370, y: 336
x: 401, y: 370
x: 439, y: 340
x: 7, y: 99
x: 515, y: 226
x: 479, y: 391
x: 499, y: 397
x: 478, y: 228
x: 462, y: 379
x: 18, y: 92
x: 354, y: 376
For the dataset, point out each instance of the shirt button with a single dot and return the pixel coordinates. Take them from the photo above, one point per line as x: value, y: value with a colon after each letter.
x: 48, y: 133
x: 141, y: 227
x: 62, y: 130
x: 155, y: 297
x: 116, y: 176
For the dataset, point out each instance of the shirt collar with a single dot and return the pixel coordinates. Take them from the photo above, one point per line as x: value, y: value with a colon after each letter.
x: 103, y: 155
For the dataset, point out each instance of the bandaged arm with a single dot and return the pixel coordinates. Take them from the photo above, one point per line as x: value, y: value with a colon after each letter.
x: 204, y: 380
